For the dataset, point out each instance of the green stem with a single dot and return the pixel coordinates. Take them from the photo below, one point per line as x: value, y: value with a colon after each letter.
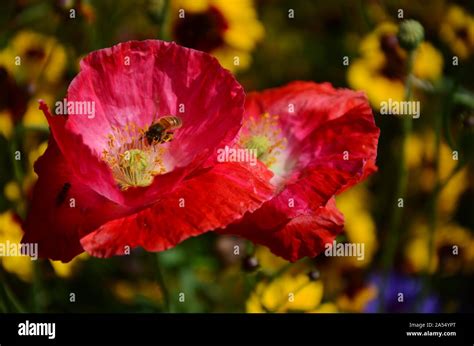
x: 434, y: 199
x: 10, y: 298
x: 401, y: 186
x: 432, y: 207
x: 433, y: 203
x: 464, y: 98
x: 34, y: 128
x: 162, y: 283
x: 461, y: 96
x: 442, y: 185
x: 163, y: 21
x: 37, y: 288
x: 251, y: 280
x: 369, y: 24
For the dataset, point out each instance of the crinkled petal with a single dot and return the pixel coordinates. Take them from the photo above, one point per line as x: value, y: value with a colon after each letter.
x: 213, y: 198
x: 292, y: 238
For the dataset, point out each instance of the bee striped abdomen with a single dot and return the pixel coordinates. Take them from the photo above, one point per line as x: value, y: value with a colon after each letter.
x: 161, y: 131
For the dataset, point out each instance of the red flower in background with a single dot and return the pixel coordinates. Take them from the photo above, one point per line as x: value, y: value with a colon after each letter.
x: 318, y: 141
x: 105, y: 187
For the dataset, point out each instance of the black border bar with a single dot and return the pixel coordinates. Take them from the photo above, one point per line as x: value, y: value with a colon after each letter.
x: 221, y: 329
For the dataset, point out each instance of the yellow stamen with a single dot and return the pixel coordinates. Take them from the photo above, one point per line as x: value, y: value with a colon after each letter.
x: 133, y: 161
x: 264, y: 135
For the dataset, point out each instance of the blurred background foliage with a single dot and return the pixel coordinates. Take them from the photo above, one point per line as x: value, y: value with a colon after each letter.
x: 275, y: 42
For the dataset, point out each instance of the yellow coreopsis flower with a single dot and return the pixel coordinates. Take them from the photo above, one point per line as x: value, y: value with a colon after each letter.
x: 11, y: 233
x: 30, y: 175
x: 287, y: 293
x: 227, y: 29
x: 6, y: 123
x: 457, y: 30
x: 268, y: 261
x: 22, y: 266
x: 66, y: 270
x: 419, y: 153
x: 453, y: 249
x: 358, y: 300
x: 359, y: 225
x: 381, y: 69
x: 33, y: 115
x: 30, y: 56
x: 325, y: 308
x: 12, y: 191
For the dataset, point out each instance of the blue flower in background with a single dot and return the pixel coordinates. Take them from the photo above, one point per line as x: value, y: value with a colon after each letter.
x: 401, y: 294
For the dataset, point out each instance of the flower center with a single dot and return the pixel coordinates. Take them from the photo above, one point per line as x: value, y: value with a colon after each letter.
x: 394, y: 67
x: 265, y: 136
x: 133, y: 160
x: 35, y: 53
x: 12, y: 97
x: 462, y: 33
x: 260, y: 143
x: 446, y: 258
x: 201, y: 31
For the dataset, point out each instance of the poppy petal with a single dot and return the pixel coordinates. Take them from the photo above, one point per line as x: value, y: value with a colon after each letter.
x: 296, y: 237
x: 63, y: 209
x: 213, y: 198
x: 134, y: 84
x: 332, y: 145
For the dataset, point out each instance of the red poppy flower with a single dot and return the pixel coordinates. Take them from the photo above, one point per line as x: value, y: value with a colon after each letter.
x: 318, y: 141
x: 107, y: 185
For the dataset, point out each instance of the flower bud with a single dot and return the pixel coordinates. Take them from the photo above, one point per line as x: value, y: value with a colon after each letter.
x: 410, y: 34
x: 250, y: 263
x: 314, y: 275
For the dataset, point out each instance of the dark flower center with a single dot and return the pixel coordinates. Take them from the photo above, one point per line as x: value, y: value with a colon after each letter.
x: 12, y: 97
x: 449, y: 261
x: 35, y: 53
x: 201, y: 31
x: 462, y: 33
x: 394, y: 67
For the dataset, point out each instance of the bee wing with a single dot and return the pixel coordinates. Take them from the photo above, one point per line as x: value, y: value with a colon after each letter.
x: 156, y: 106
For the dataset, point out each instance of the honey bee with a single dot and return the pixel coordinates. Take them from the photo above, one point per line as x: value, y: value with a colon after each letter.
x: 162, y: 130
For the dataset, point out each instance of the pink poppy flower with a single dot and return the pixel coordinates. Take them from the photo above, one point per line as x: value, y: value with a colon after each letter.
x: 318, y: 141
x: 106, y: 185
